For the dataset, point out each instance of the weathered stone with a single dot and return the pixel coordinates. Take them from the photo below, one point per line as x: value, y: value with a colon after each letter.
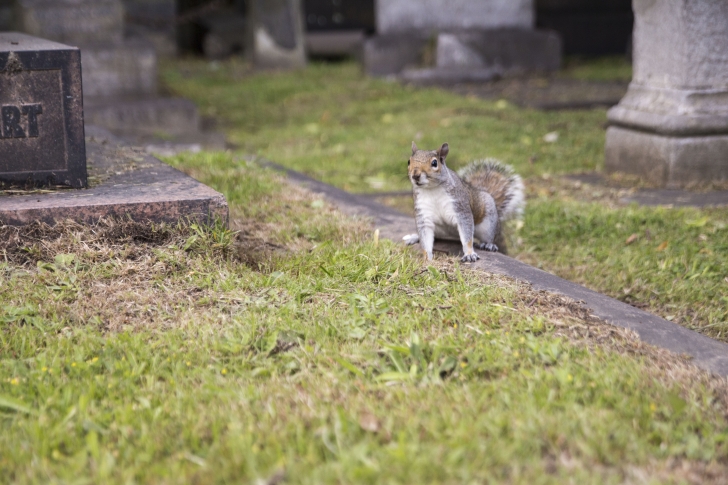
x: 507, y: 51
x: 173, y: 116
x: 124, y: 69
x: 464, y: 40
x: 389, y: 54
x: 667, y: 161
x: 277, y: 34
x: 41, y: 132
x: 335, y: 43
x: 125, y: 183
x: 72, y: 21
x: 439, y: 77
x: 432, y: 16
x: 155, y: 22
x: 677, y: 103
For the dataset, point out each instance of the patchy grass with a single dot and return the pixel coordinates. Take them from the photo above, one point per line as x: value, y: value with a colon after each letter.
x: 356, y: 134
x: 164, y: 355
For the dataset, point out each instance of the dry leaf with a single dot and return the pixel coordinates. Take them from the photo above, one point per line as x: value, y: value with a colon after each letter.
x: 631, y: 239
x: 662, y: 246
x: 368, y: 422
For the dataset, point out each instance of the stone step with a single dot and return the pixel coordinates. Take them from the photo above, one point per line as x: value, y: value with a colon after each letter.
x: 126, y: 69
x: 162, y: 117
x: 72, y: 22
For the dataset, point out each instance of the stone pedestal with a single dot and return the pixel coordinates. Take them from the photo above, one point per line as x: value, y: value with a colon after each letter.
x: 671, y: 128
x: 276, y: 28
x: 458, y: 40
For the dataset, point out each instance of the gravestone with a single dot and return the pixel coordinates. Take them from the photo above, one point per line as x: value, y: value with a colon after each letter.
x: 277, y: 34
x: 91, y: 20
x: 154, y: 21
x: 41, y: 113
x: 432, y: 16
x: 119, y: 69
x: 112, y: 66
x: 458, y: 40
x: 671, y: 128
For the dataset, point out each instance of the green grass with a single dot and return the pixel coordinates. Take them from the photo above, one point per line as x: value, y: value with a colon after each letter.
x: 334, y: 124
x: 174, y: 361
x: 604, y: 69
x: 673, y: 262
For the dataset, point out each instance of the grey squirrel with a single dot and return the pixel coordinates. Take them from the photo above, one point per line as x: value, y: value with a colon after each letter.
x: 473, y: 202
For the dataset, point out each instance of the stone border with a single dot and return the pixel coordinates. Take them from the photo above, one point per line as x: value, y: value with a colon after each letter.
x: 128, y: 184
x: 706, y: 353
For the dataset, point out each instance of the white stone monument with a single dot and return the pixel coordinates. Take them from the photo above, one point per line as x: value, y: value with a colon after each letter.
x: 671, y: 128
x: 468, y: 39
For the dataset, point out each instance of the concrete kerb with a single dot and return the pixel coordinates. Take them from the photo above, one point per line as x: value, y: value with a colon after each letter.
x: 705, y: 352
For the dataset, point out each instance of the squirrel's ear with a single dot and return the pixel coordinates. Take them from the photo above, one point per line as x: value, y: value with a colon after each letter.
x: 443, y: 151
x: 414, y: 148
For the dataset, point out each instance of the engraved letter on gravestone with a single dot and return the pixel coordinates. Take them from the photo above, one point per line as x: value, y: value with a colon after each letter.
x: 41, y: 112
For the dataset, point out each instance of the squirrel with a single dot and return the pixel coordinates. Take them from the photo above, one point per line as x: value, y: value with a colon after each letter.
x: 473, y: 202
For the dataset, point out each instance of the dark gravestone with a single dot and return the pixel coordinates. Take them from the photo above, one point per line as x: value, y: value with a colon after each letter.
x: 41, y: 112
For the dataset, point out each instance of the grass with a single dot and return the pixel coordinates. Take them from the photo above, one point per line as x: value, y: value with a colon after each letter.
x: 672, y: 262
x: 602, y: 69
x: 299, y: 350
x: 356, y: 134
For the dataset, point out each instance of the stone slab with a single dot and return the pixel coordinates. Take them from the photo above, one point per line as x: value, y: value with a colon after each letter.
x: 679, y: 198
x: 72, y: 21
x: 664, y: 160
x: 167, y: 117
x: 706, y: 353
x: 386, y: 55
x: 128, y: 69
x: 335, y: 43
x: 506, y: 50
x: 445, y: 77
x: 41, y: 135
x: 429, y: 16
x: 125, y: 182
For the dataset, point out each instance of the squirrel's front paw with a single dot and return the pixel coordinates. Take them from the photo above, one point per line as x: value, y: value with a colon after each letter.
x: 411, y: 239
x: 470, y: 258
x: 487, y: 247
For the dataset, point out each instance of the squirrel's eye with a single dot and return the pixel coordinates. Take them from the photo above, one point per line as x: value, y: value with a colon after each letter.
x: 434, y: 162
x: 408, y: 162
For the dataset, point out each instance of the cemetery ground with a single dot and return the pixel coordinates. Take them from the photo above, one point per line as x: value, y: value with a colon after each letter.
x: 296, y: 348
x: 356, y: 133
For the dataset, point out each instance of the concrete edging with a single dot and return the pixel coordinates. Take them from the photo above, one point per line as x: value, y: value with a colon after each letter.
x: 706, y: 353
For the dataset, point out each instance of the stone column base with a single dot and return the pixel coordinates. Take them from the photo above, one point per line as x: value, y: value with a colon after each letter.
x: 667, y: 161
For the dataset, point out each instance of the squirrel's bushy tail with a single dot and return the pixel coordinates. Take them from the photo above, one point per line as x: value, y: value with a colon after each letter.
x: 501, y: 182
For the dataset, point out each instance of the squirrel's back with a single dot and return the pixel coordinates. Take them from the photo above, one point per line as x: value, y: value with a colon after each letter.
x: 501, y: 182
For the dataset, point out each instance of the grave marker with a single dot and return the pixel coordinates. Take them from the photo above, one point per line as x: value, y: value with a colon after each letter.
x: 41, y: 112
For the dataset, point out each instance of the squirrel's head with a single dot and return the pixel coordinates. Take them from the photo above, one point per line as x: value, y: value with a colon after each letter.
x: 427, y: 167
